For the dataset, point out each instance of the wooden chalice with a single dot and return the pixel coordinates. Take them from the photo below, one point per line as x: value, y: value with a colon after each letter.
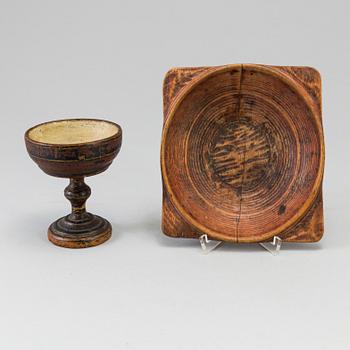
x: 74, y: 149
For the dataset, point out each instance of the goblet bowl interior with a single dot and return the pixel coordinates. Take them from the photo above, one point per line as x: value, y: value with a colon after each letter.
x: 73, y: 131
x: 74, y: 147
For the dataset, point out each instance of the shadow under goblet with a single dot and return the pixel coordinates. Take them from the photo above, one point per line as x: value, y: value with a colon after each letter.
x: 74, y: 149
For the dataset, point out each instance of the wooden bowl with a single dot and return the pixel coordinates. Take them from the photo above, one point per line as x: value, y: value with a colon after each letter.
x: 76, y: 148
x: 242, y: 152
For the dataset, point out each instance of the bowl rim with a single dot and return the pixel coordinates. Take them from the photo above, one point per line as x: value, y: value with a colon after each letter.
x: 27, y: 138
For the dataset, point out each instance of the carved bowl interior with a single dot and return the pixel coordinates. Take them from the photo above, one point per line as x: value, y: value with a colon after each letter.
x: 74, y: 147
x: 242, y: 153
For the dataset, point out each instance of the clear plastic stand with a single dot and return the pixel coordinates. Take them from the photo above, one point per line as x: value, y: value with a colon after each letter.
x: 273, y: 247
x: 209, y: 245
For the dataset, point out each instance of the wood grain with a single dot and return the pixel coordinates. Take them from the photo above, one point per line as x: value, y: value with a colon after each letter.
x: 243, y: 153
x: 74, y: 149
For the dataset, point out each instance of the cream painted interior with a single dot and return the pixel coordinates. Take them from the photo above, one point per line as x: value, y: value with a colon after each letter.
x: 73, y: 131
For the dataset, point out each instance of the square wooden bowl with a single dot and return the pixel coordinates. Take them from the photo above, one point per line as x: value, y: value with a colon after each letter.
x: 242, y: 153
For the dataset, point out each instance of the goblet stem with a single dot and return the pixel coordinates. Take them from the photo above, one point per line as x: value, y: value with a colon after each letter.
x: 77, y: 192
x: 79, y: 229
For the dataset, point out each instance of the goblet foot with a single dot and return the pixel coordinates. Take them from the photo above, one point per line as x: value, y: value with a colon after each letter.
x: 89, y: 231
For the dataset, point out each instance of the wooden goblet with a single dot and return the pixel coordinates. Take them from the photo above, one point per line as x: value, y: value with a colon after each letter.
x: 74, y: 149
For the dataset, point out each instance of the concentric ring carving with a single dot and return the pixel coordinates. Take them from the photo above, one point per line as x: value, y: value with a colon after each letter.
x: 242, y: 153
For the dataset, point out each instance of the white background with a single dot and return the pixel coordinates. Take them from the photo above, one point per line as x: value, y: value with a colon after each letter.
x: 141, y: 289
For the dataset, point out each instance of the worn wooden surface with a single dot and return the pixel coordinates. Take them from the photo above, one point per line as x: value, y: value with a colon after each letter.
x: 243, y: 153
x: 79, y: 229
x: 75, y: 161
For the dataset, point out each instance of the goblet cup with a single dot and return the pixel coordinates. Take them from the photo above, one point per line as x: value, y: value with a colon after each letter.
x: 75, y: 149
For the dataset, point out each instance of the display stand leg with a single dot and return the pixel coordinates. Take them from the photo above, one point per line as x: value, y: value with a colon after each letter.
x: 274, y: 246
x: 209, y: 245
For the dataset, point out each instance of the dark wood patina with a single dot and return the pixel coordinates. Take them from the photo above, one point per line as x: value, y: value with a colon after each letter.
x: 79, y: 229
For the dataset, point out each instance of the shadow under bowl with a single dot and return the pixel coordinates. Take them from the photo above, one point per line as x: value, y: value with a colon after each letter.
x: 74, y: 147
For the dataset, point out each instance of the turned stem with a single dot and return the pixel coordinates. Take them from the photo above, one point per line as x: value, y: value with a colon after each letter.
x: 77, y: 192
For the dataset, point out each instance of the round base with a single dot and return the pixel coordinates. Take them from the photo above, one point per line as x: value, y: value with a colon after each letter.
x: 89, y: 232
